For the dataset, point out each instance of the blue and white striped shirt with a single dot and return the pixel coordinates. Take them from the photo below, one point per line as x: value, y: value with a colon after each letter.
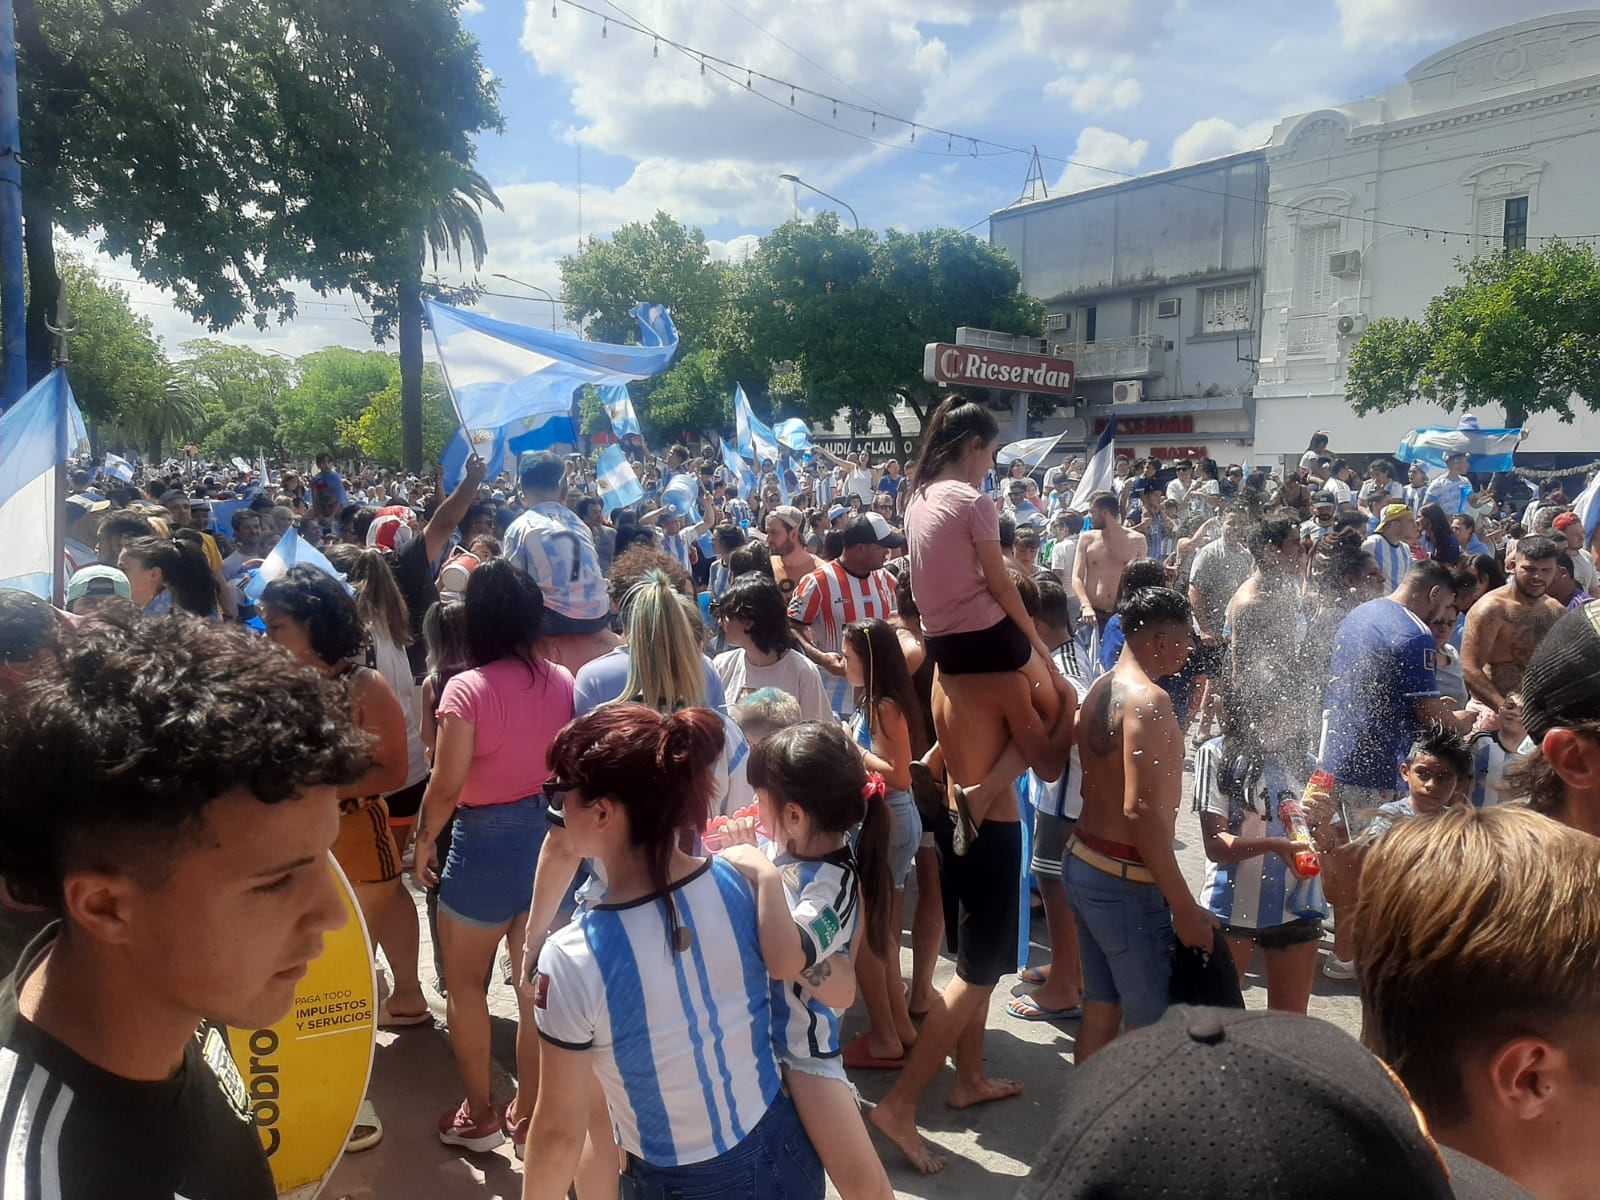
x: 682, y: 1042
x: 553, y: 545
x: 1394, y: 560
x: 824, y: 897
x: 1489, y: 762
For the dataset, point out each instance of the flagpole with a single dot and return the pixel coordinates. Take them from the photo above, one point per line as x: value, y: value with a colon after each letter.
x: 58, y: 499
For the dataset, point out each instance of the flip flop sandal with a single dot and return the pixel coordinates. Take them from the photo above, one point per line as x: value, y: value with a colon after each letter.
x: 1033, y: 975
x: 1026, y: 1008
x: 368, y: 1131
x: 392, y: 1020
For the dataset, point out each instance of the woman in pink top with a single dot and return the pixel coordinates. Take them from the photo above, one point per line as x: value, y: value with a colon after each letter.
x: 496, y: 723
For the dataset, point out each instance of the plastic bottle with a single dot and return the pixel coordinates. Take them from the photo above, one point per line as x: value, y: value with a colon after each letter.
x: 1293, y: 815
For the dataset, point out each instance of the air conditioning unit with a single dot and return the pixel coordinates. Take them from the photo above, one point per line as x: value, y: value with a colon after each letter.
x: 1055, y: 321
x: 1128, y: 391
x: 1345, y: 262
x: 1350, y: 324
x: 1167, y: 308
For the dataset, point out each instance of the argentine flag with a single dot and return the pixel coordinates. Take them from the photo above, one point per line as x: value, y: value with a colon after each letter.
x: 1490, y: 449
x: 508, y: 381
x: 619, y: 407
x: 682, y: 497
x: 757, y: 442
x: 1099, y: 472
x: 36, y: 435
x: 1029, y: 450
x: 1587, y: 506
x: 745, y: 476
x: 619, y: 484
x: 292, y: 550
x: 119, y: 468
x: 794, y: 435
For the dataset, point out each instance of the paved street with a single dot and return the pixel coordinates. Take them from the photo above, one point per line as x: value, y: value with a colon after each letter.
x: 414, y: 1082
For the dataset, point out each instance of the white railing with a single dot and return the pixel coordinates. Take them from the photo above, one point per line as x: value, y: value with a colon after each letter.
x: 1115, y: 358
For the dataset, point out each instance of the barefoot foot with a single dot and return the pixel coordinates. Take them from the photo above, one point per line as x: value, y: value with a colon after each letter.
x: 984, y: 1091
x: 902, y: 1131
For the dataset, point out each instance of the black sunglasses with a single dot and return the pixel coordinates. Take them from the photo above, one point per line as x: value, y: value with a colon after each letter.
x: 555, y: 791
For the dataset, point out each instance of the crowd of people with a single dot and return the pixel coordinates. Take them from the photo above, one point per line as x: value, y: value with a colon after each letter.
x: 685, y: 760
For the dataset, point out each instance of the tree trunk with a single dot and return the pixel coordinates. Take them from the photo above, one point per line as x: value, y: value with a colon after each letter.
x: 44, y: 281
x: 1516, y: 414
x: 411, y: 374
x: 901, y: 446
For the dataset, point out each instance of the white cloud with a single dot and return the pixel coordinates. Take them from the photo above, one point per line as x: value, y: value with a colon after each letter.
x: 1096, y: 93
x: 1101, y: 148
x: 1377, y: 23
x: 1214, y: 136
x: 471, y: 8
x: 1079, y: 32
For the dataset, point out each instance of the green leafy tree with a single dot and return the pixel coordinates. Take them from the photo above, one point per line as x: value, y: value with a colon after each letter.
x: 377, y: 434
x: 116, y: 363
x: 240, y: 392
x: 334, y: 387
x: 169, y: 419
x: 1521, y: 330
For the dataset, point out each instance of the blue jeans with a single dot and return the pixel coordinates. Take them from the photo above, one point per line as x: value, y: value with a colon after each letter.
x: 1125, y: 940
x: 905, y: 835
x: 775, y: 1162
x: 488, y: 874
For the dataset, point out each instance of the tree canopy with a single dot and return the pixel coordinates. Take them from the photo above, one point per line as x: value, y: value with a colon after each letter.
x: 1521, y: 330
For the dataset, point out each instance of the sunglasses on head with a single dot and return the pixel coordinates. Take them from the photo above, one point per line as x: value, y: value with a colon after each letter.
x: 555, y: 793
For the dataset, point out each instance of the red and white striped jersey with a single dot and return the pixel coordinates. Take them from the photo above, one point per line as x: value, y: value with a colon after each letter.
x: 830, y: 598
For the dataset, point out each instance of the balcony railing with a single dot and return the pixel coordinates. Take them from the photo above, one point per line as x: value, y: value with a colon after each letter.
x: 1116, y: 358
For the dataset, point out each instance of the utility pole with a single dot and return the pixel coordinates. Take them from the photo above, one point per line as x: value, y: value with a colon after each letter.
x: 13, y: 317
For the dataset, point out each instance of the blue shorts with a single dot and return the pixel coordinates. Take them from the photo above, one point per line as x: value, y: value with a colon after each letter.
x: 776, y: 1161
x: 1125, y: 940
x: 905, y: 835
x: 488, y: 875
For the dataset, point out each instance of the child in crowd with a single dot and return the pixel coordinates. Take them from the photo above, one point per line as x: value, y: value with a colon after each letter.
x: 763, y: 713
x: 812, y: 789
x: 1493, y: 752
x: 1436, y: 770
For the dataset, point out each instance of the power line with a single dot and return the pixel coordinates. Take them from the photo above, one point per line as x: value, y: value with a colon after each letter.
x: 971, y: 146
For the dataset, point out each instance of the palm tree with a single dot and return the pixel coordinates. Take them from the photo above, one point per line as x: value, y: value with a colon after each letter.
x: 451, y: 224
x: 169, y: 416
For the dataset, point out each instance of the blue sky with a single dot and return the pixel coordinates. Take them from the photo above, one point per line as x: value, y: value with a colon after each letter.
x: 1129, y: 85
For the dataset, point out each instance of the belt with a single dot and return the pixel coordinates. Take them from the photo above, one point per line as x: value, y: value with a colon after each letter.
x: 1132, y: 872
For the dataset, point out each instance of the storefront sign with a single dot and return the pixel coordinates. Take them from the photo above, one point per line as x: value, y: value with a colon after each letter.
x: 1148, y: 426
x: 970, y: 366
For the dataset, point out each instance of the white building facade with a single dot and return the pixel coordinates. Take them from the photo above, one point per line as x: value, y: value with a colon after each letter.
x: 1491, y: 144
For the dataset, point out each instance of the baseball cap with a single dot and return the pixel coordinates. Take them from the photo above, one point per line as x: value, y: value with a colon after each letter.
x: 1391, y: 512
x: 1558, y: 688
x: 1218, y: 1103
x: 870, y: 529
x: 393, y: 528
x: 1318, y: 499
x: 1565, y: 521
x: 83, y: 506
x: 98, y: 580
x: 837, y: 511
x: 789, y: 515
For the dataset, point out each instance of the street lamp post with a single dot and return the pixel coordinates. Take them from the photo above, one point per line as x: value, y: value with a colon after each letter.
x: 533, y: 287
x: 798, y: 182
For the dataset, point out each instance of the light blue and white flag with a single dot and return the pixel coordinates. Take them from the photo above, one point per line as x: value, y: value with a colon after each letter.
x: 757, y: 442
x: 743, y: 476
x: 619, y: 407
x: 1029, y: 450
x: 292, y: 550
x: 619, y: 483
x: 682, y: 496
x: 794, y: 434
x: 507, y: 381
x: 1099, y: 472
x: 37, y: 433
x: 1587, y: 506
x: 240, y: 465
x: 1490, y: 449
x: 119, y: 468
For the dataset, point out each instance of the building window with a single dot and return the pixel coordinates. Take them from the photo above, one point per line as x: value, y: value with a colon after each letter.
x: 1314, y: 288
x: 1225, y: 309
x: 1144, y: 312
x: 1089, y: 321
x: 1514, y: 230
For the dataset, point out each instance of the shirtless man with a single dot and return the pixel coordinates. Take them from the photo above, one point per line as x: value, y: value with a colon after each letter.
x: 997, y: 718
x: 1507, y: 625
x: 1103, y: 551
x: 791, y: 561
x: 1127, y: 891
x: 1263, y: 614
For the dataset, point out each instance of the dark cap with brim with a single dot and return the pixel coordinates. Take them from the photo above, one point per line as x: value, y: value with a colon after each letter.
x: 1561, y: 687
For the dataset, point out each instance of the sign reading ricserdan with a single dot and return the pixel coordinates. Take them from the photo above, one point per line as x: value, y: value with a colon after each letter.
x: 973, y: 366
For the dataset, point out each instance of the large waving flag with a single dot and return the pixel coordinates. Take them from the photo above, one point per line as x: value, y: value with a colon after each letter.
x: 682, y: 496
x: 619, y: 483
x: 1490, y: 449
x: 757, y: 442
x: 507, y: 381
x: 1099, y: 472
x: 1029, y: 450
x: 36, y: 435
x: 119, y: 468
x: 291, y: 550
x: 1587, y: 506
x: 619, y: 407
x: 793, y: 434
x: 744, y: 475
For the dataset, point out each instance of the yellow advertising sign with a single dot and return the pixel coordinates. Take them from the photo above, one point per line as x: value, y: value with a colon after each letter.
x: 306, y: 1075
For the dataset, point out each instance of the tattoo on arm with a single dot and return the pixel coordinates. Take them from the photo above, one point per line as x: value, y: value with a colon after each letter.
x: 817, y: 973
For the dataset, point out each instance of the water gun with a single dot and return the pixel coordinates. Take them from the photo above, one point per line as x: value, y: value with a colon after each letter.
x: 1293, y: 815
x: 713, y: 837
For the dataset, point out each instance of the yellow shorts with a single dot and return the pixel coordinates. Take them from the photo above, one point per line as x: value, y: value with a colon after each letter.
x: 366, y: 848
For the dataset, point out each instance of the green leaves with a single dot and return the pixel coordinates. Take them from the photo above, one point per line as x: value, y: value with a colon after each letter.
x: 1521, y: 330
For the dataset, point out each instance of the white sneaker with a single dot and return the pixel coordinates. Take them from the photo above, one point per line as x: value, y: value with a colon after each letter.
x: 1339, y: 968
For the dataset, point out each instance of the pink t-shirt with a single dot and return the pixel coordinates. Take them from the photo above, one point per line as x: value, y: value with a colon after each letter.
x: 517, y: 713
x: 944, y: 523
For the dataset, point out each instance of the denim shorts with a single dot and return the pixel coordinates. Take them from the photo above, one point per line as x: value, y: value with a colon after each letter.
x: 905, y: 835
x: 776, y: 1161
x: 488, y: 874
x: 1125, y: 940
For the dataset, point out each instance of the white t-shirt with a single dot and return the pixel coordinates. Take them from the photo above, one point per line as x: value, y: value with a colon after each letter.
x: 1340, y: 490
x: 860, y: 483
x: 793, y: 673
